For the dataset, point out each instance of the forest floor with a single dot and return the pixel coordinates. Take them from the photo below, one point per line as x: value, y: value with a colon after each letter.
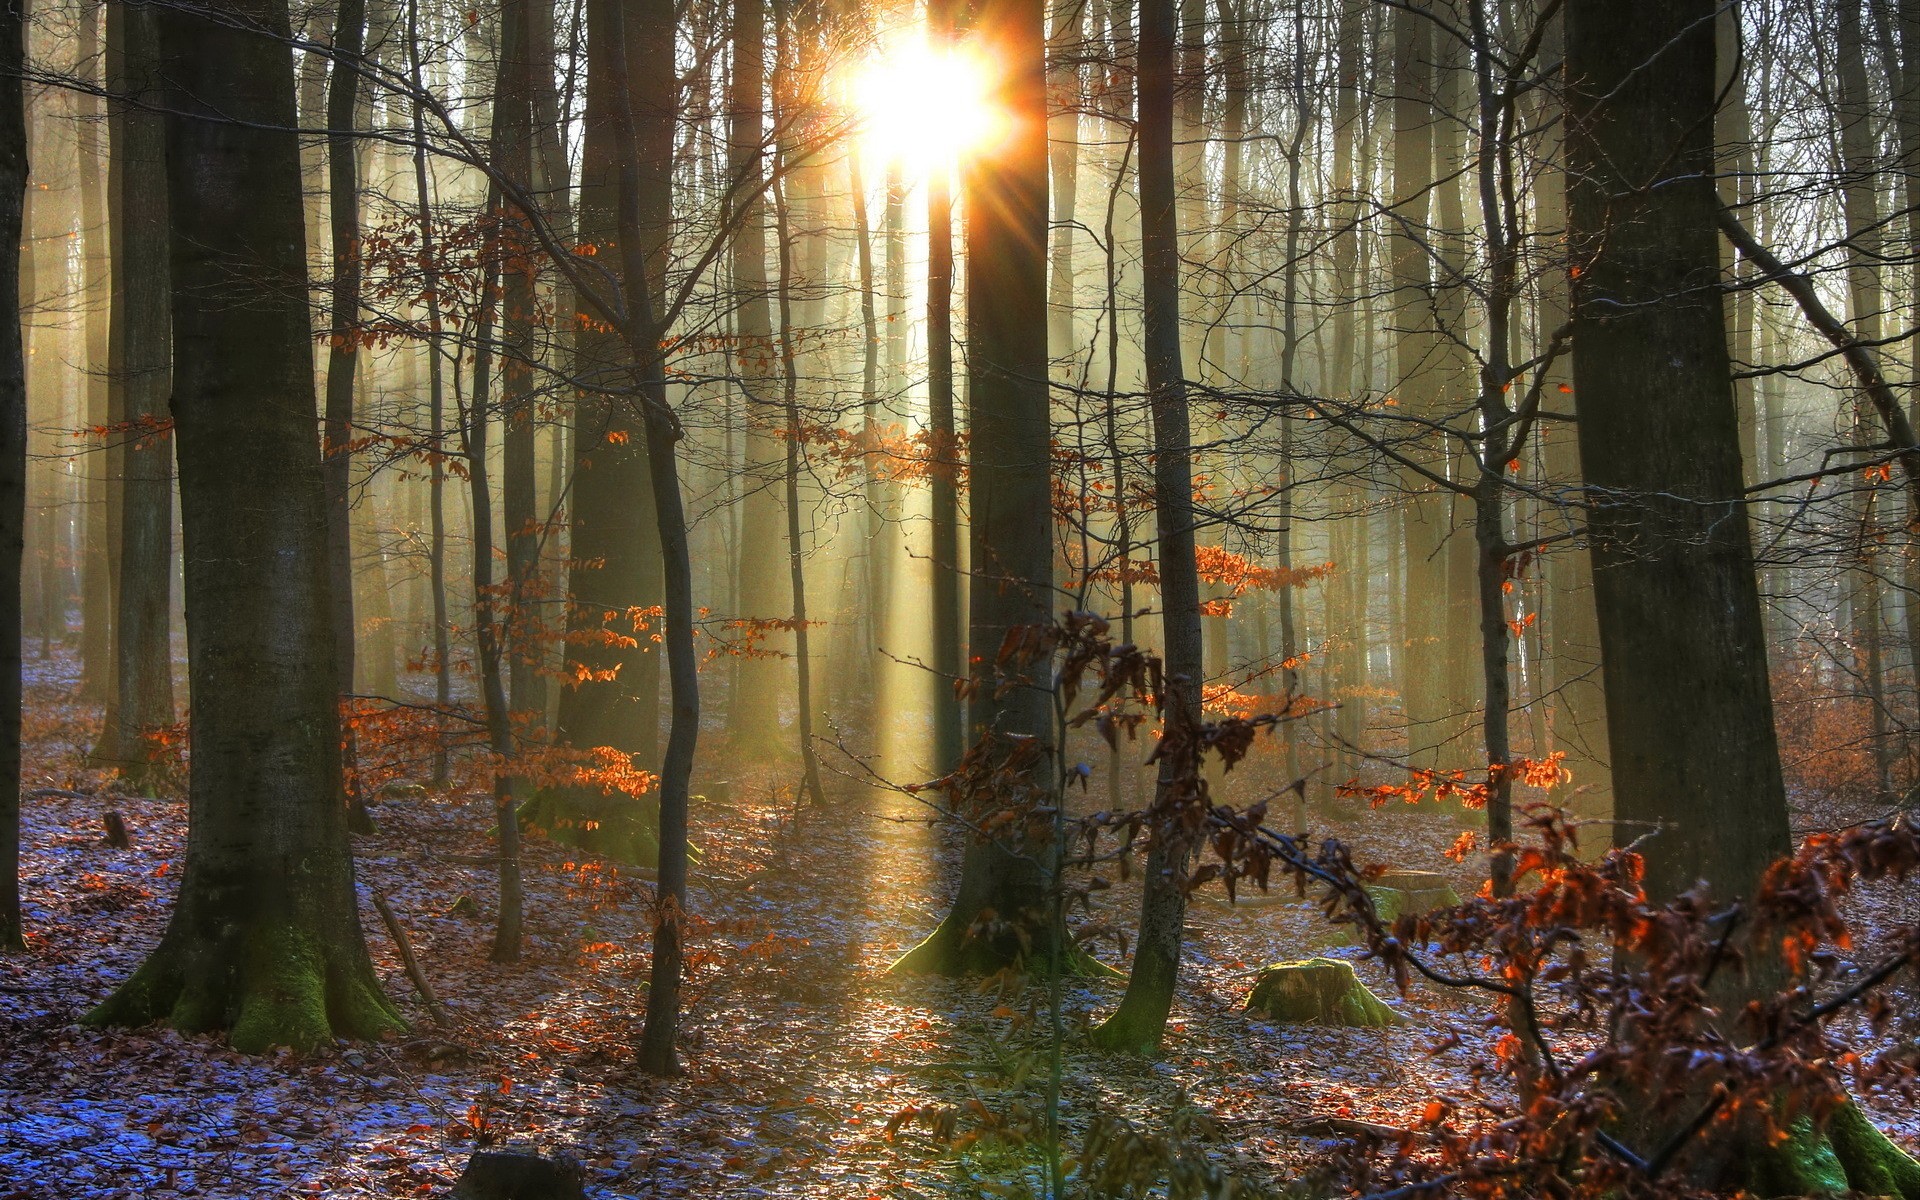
x: 799, y: 1051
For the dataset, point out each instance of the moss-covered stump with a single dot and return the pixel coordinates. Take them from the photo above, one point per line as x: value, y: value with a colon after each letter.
x: 1400, y: 893
x: 1318, y: 991
x: 611, y: 826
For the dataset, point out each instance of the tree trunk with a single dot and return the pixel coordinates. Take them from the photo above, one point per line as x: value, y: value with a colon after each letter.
x: 141, y: 700
x: 13, y: 458
x: 525, y: 530
x: 343, y: 357
x: 613, y: 697
x: 1140, y: 1020
x: 1578, y: 703
x: 1423, y: 515
x: 1859, y: 173
x: 943, y: 447
x: 753, y: 708
x: 1673, y: 572
x: 96, y: 597
x: 264, y: 939
x: 796, y: 547
x: 1009, y: 488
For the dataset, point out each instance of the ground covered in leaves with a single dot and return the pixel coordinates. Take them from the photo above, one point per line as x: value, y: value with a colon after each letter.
x: 805, y: 1064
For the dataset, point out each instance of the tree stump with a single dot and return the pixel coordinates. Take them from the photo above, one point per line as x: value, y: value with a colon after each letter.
x: 117, y: 835
x: 1318, y: 991
x: 1403, y: 893
x: 511, y: 1174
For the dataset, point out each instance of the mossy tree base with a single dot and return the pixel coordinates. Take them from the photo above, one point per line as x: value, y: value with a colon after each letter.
x: 1848, y: 1155
x: 616, y: 827
x: 964, y: 945
x: 1318, y: 991
x: 272, y: 985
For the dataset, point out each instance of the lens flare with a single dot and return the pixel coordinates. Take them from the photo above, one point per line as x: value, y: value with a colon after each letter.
x: 922, y: 107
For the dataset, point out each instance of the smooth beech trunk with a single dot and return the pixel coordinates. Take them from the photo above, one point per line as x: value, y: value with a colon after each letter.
x: 264, y: 939
x: 1140, y: 1020
x: 615, y: 582
x: 1004, y: 189
x: 13, y: 457
x: 141, y: 698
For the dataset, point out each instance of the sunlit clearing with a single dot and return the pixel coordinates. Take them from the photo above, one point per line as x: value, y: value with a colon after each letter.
x: 923, y: 108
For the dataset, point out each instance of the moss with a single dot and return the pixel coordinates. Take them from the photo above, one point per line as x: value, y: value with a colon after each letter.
x: 1874, y: 1165
x: 1802, y: 1165
x: 148, y: 995
x: 283, y: 1001
x: 1318, y: 991
x: 357, y: 1008
x: 284, y: 992
x: 954, y: 950
x: 1129, y: 1032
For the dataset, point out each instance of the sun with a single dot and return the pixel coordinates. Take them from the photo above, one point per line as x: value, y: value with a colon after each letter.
x: 922, y: 108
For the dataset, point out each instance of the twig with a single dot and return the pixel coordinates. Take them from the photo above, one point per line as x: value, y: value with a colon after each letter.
x: 408, y: 961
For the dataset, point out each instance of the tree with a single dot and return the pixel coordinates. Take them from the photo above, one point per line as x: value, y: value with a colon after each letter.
x: 1142, y: 1016
x: 343, y: 352
x: 141, y: 699
x: 615, y: 584
x: 13, y: 454
x: 264, y: 940
x: 1004, y: 198
x: 1689, y: 710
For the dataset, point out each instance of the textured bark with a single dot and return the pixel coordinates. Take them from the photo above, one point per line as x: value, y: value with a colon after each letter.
x: 1009, y: 493
x: 96, y: 596
x: 944, y: 612
x: 615, y: 578
x: 1688, y: 703
x: 264, y: 940
x: 1423, y: 515
x: 1137, y: 1025
x: 141, y: 699
x: 13, y: 457
x: 513, y: 153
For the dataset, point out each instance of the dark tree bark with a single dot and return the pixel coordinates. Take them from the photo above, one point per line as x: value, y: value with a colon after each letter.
x: 1140, y: 1020
x: 644, y: 117
x: 96, y: 597
x: 1578, y: 703
x: 13, y: 454
x: 513, y: 153
x: 943, y: 446
x: 141, y: 699
x: 1659, y: 446
x: 488, y: 620
x: 1421, y: 657
x: 613, y: 694
x: 1689, y: 711
x: 264, y: 939
x: 343, y: 354
x: 1009, y: 494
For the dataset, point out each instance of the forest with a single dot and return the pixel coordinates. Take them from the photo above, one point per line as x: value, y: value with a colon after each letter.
x: 960, y: 598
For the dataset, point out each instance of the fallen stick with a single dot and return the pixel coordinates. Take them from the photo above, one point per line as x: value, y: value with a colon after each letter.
x: 408, y: 961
